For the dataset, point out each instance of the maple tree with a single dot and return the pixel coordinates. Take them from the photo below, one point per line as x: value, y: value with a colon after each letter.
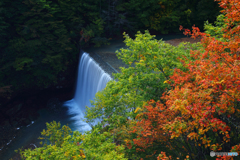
x: 201, y: 111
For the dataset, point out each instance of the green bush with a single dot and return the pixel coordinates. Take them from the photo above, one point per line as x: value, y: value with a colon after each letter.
x: 61, y: 144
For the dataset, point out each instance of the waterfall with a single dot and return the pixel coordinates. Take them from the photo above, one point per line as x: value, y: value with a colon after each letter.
x: 91, y: 79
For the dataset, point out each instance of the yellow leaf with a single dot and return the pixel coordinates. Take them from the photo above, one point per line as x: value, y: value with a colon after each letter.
x: 166, y: 81
x: 137, y: 109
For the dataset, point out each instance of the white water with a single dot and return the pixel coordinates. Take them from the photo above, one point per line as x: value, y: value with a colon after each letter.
x: 91, y: 79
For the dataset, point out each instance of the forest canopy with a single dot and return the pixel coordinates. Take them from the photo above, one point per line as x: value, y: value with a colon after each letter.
x: 41, y: 39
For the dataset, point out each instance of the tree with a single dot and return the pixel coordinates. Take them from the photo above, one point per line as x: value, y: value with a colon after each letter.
x: 37, y: 46
x: 60, y: 144
x: 40, y: 39
x: 201, y: 111
x: 165, y: 16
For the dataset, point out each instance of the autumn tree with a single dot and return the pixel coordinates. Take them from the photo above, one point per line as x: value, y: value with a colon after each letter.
x: 201, y: 112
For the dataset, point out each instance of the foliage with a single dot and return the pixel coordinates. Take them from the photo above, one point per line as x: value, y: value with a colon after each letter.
x: 100, y: 146
x: 166, y: 15
x: 201, y: 111
x: 32, y: 54
x: 55, y: 134
x: 3, y: 25
x: 202, y: 10
x: 115, y: 16
x: 153, y: 14
x: 40, y: 39
x: 217, y: 30
x: 151, y: 62
x: 98, y: 41
x: 60, y: 144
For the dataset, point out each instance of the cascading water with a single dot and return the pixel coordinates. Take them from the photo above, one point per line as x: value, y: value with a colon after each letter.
x: 91, y: 79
